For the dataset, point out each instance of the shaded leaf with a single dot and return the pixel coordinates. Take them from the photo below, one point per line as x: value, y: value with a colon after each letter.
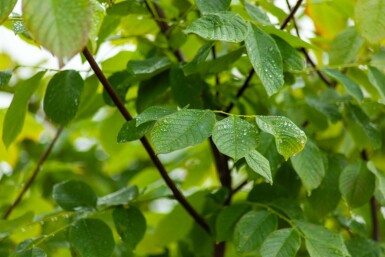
x: 15, y: 116
x: 309, y: 166
x: 130, y: 131
x: 292, y: 60
x: 182, y: 129
x: 212, y: 6
x: 370, y: 20
x: 257, y: 14
x: 227, y: 219
x: 91, y: 238
x: 289, y: 139
x: 120, y: 197
x: 294, y: 41
x: 281, y: 243
x: 200, y: 57
x: 120, y: 82
x: 321, y: 242
x: 364, y: 247
x: 235, y: 137
x: 380, y: 177
x: 224, y: 26
x: 252, y: 229
x: 350, y: 86
x: 145, y: 69
x: 61, y: 26
x: 377, y: 78
x: 33, y: 252
x: 153, y: 113
x: 130, y: 224
x: 259, y: 164
x: 6, y: 7
x: 72, y: 195
x: 5, y: 77
x: 62, y: 97
x: 266, y: 59
x: 357, y: 184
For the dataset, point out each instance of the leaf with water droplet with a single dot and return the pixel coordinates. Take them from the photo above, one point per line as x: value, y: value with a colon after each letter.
x: 259, y: 164
x: 224, y: 26
x: 235, y: 137
x: 212, y: 6
x: 153, y: 113
x: 289, y: 139
x: 181, y: 129
x: 266, y: 59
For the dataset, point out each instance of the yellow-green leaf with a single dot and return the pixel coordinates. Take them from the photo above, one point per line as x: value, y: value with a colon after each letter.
x: 6, y: 7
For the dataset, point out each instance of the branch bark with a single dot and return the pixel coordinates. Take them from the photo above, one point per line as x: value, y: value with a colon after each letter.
x: 33, y: 176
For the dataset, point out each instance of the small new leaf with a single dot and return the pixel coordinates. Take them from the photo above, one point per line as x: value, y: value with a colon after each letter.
x: 289, y: 139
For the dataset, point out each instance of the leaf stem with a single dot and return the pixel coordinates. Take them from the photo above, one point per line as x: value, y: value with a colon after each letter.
x: 33, y: 176
x: 150, y: 151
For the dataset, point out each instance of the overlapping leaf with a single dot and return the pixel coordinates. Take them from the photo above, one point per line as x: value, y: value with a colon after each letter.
x: 182, y: 129
x: 224, y: 26
x: 281, y: 243
x: 212, y: 6
x: 289, y: 139
x: 266, y: 59
x: 6, y: 7
x: 72, y: 195
x: 370, y: 19
x: 377, y: 78
x: 259, y: 164
x: 350, y: 86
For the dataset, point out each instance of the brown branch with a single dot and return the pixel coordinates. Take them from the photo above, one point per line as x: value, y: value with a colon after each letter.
x: 154, y: 158
x: 375, y: 223
x: 291, y: 14
x: 33, y: 176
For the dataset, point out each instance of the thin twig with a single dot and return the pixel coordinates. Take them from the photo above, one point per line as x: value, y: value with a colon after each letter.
x: 33, y: 176
x: 291, y: 14
x: 154, y: 158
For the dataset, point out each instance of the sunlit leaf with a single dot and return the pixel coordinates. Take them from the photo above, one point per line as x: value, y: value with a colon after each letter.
x: 145, y: 69
x: 72, y: 195
x: 357, y: 184
x: 130, y: 224
x: 14, y: 118
x: 235, y: 137
x: 259, y: 164
x: 281, y: 243
x: 309, y: 166
x: 224, y: 26
x: 6, y: 7
x: 289, y: 139
x: 61, y: 26
x: 62, y: 97
x: 153, y: 113
x: 377, y: 78
x: 120, y: 197
x: 257, y: 14
x: 252, y: 229
x: 212, y: 6
x: 369, y: 19
x: 292, y: 60
x: 181, y: 129
x: 91, y: 238
x: 266, y: 59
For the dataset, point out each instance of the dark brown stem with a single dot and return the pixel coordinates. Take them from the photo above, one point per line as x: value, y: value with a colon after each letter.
x: 291, y: 14
x: 375, y: 223
x: 239, y: 187
x: 219, y: 249
x: 150, y: 151
x: 33, y: 176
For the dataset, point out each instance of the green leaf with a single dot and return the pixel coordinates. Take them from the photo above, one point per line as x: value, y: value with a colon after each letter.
x: 153, y: 113
x: 294, y: 41
x: 380, y: 177
x: 212, y: 6
x: 364, y: 247
x: 227, y: 219
x: 130, y: 131
x: 5, y: 77
x: 145, y: 69
x: 357, y: 184
x: 221, y: 63
x: 309, y: 166
x: 377, y: 78
x: 72, y: 195
x: 130, y: 224
x: 266, y: 59
x: 15, y: 116
x: 370, y: 20
x: 292, y: 60
x: 6, y: 7
x: 235, y: 137
x: 321, y: 242
x: 120, y: 82
x: 182, y: 129
x: 345, y: 47
x: 364, y: 133
x: 252, y: 229
x: 33, y: 252
x: 258, y: 163
x: 281, y: 243
x: 289, y: 139
x: 200, y: 57
x: 350, y: 86
x: 62, y: 97
x: 224, y: 26
x: 120, y: 197
x: 257, y: 14
x: 330, y: 110
x: 91, y: 238
x: 61, y: 26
